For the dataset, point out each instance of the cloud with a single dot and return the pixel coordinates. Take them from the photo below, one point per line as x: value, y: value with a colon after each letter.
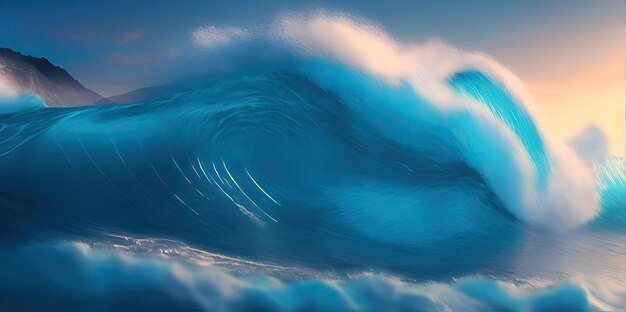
x: 213, y: 37
x: 591, y: 144
x: 129, y: 36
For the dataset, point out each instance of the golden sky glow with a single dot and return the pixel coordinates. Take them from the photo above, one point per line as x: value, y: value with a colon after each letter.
x: 595, y: 95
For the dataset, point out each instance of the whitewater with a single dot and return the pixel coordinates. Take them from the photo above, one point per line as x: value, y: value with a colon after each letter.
x: 341, y: 170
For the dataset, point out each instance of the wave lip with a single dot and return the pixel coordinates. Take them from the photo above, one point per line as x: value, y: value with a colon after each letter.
x: 539, y: 180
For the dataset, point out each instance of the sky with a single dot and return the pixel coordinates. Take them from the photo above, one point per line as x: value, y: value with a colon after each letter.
x: 569, y: 53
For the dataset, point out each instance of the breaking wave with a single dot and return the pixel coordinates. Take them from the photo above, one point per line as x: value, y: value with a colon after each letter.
x: 348, y: 152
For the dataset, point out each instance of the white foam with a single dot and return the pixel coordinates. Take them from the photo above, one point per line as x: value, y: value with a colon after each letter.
x: 569, y: 199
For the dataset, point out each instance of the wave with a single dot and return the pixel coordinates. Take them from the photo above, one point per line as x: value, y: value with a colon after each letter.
x: 469, y: 94
x: 117, y: 281
x: 346, y: 152
x: 11, y: 101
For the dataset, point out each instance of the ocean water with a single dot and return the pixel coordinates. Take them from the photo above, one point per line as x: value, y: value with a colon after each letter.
x: 325, y: 180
